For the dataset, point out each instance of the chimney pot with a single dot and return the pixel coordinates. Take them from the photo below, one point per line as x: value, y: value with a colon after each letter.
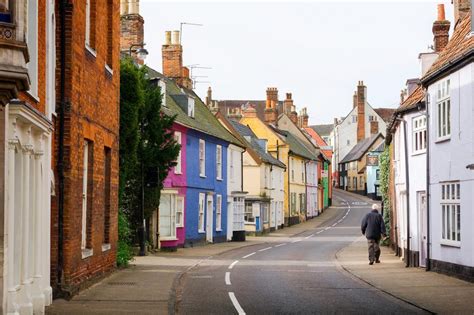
x: 441, y: 14
x: 168, y: 38
x: 175, y: 38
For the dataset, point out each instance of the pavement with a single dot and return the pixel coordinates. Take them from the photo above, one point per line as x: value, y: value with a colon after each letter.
x: 319, y: 266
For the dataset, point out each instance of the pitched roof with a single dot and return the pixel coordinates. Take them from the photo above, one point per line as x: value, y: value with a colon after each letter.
x: 323, y: 130
x: 412, y: 101
x: 203, y: 121
x: 385, y: 113
x: 319, y: 141
x: 295, y: 144
x: 459, y: 46
x: 360, y: 148
x: 252, y: 143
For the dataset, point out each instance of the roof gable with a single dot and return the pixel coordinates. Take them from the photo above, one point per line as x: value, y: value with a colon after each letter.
x: 361, y: 148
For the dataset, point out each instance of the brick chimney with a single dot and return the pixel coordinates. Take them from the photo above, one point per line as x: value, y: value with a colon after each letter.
x: 271, y: 112
x: 461, y: 9
x: 249, y: 112
x: 441, y: 30
x: 361, y: 100
x: 354, y: 100
x: 209, y: 96
x: 374, y: 127
x: 172, y: 56
x: 303, y: 119
x: 294, y: 115
x: 131, y: 27
x: 288, y: 104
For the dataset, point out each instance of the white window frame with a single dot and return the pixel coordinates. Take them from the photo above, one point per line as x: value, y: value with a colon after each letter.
x: 443, y: 111
x: 218, y: 213
x: 248, y: 214
x: 177, y: 138
x: 451, y: 213
x: 201, y: 213
x: 191, y: 107
x: 419, y: 134
x: 85, y: 180
x: 88, y: 24
x: 218, y: 162
x: 172, y: 217
x: 179, y: 211
x: 32, y: 42
x: 231, y: 166
x: 202, y: 158
x: 302, y: 171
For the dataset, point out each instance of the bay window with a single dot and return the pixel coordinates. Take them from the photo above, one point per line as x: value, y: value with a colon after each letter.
x: 167, y: 215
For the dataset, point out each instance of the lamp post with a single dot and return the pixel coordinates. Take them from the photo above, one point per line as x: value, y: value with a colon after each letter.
x: 141, y: 55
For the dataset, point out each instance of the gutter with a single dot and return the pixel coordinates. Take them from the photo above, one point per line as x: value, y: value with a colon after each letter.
x: 60, y: 163
x: 450, y: 67
x: 428, y: 238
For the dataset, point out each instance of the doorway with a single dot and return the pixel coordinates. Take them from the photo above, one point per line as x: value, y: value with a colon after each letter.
x: 423, y: 226
x: 209, y: 219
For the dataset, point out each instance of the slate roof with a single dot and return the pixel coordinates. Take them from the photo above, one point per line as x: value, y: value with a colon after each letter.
x: 245, y: 131
x: 203, y: 121
x: 459, y: 46
x: 296, y: 147
x: 360, y: 148
x: 323, y: 130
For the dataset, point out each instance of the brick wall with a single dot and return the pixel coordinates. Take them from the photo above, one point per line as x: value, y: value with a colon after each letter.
x: 92, y: 113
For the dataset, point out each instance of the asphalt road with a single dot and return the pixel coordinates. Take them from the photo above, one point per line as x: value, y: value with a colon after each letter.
x: 289, y: 275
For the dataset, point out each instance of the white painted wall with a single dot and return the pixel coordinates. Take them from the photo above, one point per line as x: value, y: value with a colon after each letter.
x: 448, y: 161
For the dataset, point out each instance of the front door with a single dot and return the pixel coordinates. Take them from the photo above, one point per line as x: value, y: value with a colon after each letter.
x: 209, y: 218
x: 230, y: 220
x: 423, y: 228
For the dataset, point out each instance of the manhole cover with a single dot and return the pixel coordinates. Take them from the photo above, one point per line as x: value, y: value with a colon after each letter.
x: 122, y: 283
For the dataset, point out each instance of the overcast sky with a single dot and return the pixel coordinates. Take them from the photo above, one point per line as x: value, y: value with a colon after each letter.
x: 318, y: 51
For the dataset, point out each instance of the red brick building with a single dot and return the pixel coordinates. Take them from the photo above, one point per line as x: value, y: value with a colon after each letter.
x: 86, y: 148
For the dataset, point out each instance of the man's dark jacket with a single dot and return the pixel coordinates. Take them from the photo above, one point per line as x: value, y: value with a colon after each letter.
x: 373, y: 226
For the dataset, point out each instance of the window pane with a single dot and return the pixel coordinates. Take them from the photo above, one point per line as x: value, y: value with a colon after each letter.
x: 448, y: 117
x: 453, y: 223
x: 458, y: 213
x: 442, y: 192
x: 458, y: 190
x: 444, y: 220
x: 439, y: 120
x: 453, y: 193
x: 447, y: 192
x: 443, y: 119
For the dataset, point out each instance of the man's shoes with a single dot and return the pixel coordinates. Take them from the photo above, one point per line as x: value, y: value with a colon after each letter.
x: 378, y: 261
x: 371, y: 263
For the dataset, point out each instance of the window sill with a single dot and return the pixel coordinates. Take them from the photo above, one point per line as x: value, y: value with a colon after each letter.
x: 178, y: 173
x: 109, y: 69
x: 443, y: 139
x: 91, y: 51
x: 448, y: 243
x: 87, y: 252
x: 106, y: 247
x: 180, y: 226
x: 218, y: 230
x: 33, y: 96
x: 202, y: 176
x: 201, y: 231
x: 168, y: 239
x: 219, y: 179
x: 415, y: 153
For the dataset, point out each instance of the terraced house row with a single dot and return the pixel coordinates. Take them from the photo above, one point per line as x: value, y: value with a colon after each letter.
x: 238, y: 172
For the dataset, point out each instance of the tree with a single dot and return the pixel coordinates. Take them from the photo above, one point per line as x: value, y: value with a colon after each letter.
x: 147, y: 149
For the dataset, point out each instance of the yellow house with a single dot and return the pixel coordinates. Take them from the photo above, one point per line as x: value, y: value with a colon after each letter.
x: 288, y: 149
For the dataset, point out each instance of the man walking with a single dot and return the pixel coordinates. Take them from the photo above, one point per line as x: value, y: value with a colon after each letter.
x: 373, y: 228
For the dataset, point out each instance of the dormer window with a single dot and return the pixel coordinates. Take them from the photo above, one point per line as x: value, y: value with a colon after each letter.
x: 191, y: 107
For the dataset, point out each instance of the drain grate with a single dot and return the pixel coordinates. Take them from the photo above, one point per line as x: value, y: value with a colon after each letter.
x: 122, y: 283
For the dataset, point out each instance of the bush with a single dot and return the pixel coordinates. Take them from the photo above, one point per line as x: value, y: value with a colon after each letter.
x: 124, y: 250
x: 384, y: 188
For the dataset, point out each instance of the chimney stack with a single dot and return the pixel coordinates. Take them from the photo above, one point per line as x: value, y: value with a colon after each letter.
x: 131, y: 27
x: 361, y: 100
x: 172, y: 58
x: 461, y: 9
x: 374, y: 127
x: 294, y: 115
x: 209, y: 96
x: 271, y: 113
x: 441, y: 30
x: 354, y: 100
x: 303, y: 121
x: 288, y: 104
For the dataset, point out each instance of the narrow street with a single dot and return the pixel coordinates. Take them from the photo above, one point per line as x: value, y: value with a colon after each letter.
x: 296, y: 274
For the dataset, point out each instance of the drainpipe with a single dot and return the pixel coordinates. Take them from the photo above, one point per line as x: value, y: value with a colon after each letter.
x: 60, y: 162
x: 428, y: 237
x: 242, y: 170
x: 407, y: 184
x: 289, y: 194
x: 306, y: 188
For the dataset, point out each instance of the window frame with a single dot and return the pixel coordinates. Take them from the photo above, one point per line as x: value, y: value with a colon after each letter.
x: 450, y: 206
x: 218, y: 213
x: 218, y: 162
x: 201, y: 213
x: 202, y: 158
x: 248, y: 214
x: 172, y: 217
x: 443, y: 111
x: 419, y: 134
x: 179, y: 211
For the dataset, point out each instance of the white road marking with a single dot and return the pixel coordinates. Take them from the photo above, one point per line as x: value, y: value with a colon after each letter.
x: 264, y: 249
x: 237, y: 306
x: 247, y: 256
x: 227, y: 278
x: 233, y: 264
x: 296, y: 241
x: 202, y: 277
x: 327, y: 228
x: 280, y: 245
x: 334, y: 224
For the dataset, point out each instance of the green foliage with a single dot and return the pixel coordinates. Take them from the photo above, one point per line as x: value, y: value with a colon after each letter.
x: 124, y: 250
x: 147, y: 148
x: 384, y: 186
